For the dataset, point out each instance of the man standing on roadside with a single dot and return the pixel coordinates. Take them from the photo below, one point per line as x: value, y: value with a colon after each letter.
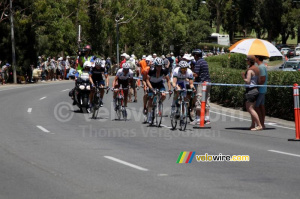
x: 263, y: 80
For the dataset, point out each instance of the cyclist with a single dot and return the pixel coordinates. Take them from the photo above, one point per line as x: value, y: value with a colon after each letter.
x: 145, y: 72
x: 98, y: 74
x: 201, y: 74
x: 182, y: 79
x: 123, y: 77
x: 154, y: 80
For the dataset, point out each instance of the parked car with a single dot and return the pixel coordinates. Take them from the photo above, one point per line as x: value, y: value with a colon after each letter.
x: 280, y: 46
x: 297, y: 58
x: 284, y: 50
x: 291, y: 65
x: 297, y: 51
x: 290, y: 53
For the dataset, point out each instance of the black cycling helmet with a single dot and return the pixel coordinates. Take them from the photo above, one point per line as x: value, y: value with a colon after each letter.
x: 197, y: 52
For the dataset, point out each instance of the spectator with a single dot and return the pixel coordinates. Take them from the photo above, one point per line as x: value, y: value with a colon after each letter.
x: 201, y: 74
x: 166, y: 62
x: 251, y: 78
x: 53, y: 66
x: 123, y: 56
x: 263, y: 80
x: 108, y: 64
x: 171, y: 63
x: 67, y: 66
x: 4, y: 72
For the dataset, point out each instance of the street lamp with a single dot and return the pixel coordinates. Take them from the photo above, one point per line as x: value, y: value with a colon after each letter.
x: 13, y: 42
x: 118, y: 19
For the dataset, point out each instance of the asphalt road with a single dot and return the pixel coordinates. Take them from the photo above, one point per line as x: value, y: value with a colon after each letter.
x: 49, y: 150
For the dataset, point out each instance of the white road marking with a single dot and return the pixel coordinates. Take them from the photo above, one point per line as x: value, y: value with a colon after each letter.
x: 162, y: 175
x: 43, y: 98
x: 64, y: 90
x: 44, y: 130
x: 271, y: 124
x: 126, y: 163
x: 281, y: 152
x: 166, y: 126
x: 29, y: 110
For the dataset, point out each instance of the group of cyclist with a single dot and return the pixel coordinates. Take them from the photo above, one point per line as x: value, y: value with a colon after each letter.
x: 192, y: 68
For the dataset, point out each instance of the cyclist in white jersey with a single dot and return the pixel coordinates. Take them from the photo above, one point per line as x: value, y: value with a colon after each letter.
x: 182, y: 79
x: 123, y: 77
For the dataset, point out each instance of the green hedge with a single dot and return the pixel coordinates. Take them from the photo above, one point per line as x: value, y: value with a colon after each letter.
x: 231, y: 60
x: 279, y: 101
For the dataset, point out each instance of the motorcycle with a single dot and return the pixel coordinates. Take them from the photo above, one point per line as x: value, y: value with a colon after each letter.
x: 82, y: 92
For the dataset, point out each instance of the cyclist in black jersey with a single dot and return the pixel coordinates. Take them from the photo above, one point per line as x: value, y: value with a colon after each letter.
x: 155, y: 79
x: 98, y: 74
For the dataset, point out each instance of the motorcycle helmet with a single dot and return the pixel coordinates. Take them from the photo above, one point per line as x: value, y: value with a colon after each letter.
x: 88, y: 47
x: 87, y: 65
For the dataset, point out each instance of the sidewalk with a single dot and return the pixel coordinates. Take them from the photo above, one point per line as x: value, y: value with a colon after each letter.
x: 245, y: 115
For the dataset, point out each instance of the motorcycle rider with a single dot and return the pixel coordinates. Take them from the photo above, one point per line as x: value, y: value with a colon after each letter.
x: 86, y: 69
x: 84, y: 55
x: 123, y: 77
x: 96, y: 75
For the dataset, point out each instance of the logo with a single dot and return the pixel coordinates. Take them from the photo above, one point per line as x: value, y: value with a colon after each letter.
x: 186, y: 157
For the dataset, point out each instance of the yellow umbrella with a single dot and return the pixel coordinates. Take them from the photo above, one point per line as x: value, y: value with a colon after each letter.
x: 255, y: 47
x: 236, y: 43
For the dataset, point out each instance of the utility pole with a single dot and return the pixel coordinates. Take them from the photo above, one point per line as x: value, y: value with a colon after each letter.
x: 13, y: 42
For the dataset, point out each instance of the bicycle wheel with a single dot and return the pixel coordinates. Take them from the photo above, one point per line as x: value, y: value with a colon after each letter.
x: 153, y: 116
x: 183, y: 117
x: 173, y: 119
x: 118, y: 108
x: 159, y: 114
x: 124, y: 113
x: 95, y: 107
x: 192, y: 113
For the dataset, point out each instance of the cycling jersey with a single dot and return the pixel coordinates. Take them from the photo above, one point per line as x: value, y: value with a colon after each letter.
x: 122, y: 76
x: 182, y: 78
x: 98, y: 74
x: 157, y: 82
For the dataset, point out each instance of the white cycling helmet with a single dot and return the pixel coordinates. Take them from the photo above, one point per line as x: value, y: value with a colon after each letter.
x: 183, y: 64
x: 158, y: 61
x: 126, y: 66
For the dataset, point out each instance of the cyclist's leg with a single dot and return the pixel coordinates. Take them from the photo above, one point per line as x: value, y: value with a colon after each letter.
x: 150, y: 100
x: 125, y: 97
x: 92, y: 95
x: 101, y: 85
x: 163, y: 95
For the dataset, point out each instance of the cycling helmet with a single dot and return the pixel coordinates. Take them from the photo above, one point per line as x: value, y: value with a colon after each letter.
x: 183, y: 64
x: 158, y: 61
x: 197, y: 52
x: 98, y: 62
x: 126, y: 66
